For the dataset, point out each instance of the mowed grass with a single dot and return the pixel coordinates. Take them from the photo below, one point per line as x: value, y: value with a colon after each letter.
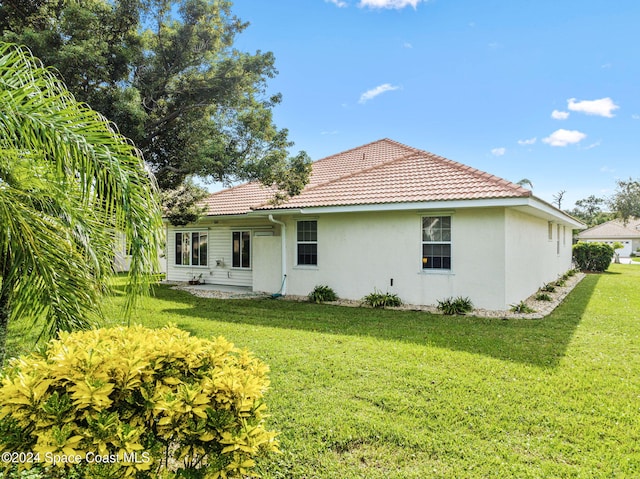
x: 361, y: 393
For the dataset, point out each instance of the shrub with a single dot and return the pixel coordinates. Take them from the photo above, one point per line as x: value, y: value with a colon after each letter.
x: 543, y: 297
x: 592, y: 256
x: 522, y: 308
x: 321, y: 293
x: 560, y: 283
x: 382, y: 300
x: 451, y: 306
x: 141, y: 399
x: 548, y: 288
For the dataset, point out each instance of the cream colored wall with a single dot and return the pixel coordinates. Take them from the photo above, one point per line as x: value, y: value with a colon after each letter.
x: 532, y: 259
x: 360, y: 252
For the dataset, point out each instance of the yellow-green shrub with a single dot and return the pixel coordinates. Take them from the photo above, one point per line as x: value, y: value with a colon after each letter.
x: 144, y: 400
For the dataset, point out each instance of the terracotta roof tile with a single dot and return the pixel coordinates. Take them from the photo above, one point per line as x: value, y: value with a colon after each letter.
x: 381, y: 172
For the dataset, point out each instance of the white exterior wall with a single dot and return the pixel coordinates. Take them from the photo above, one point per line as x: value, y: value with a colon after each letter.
x: 219, y: 247
x: 532, y: 259
x: 500, y: 256
x: 360, y: 252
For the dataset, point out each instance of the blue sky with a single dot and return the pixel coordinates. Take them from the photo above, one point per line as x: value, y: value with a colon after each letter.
x: 545, y: 90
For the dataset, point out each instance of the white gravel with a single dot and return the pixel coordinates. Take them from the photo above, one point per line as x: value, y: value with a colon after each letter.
x: 541, y: 308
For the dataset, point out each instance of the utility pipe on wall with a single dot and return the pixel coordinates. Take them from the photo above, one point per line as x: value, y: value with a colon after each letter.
x: 283, y: 245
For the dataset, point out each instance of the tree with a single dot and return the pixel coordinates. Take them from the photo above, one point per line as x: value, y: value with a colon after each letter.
x: 625, y: 202
x: 166, y: 72
x: 68, y: 183
x: 589, y: 211
x: 525, y: 181
x: 557, y: 198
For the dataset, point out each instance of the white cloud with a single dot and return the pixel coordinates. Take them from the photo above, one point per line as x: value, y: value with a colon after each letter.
x: 564, y: 137
x: 529, y: 141
x: 498, y: 151
x: 559, y: 115
x: 374, y: 92
x: 601, y: 107
x: 635, y: 117
x: 407, y: 45
x: 397, y: 4
x: 337, y: 3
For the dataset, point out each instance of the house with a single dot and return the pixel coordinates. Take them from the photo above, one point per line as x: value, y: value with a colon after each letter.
x: 382, y: 216
x: 616, y: 231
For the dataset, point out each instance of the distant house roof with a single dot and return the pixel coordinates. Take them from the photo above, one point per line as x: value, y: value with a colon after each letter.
x: 614, y: 229
x: 381, y: 172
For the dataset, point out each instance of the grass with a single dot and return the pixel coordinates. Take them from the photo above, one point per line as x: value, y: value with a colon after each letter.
x: 364, y: 393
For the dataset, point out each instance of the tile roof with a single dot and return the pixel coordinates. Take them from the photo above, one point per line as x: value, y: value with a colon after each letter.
x: 613, y: 229
x: 380, y: 172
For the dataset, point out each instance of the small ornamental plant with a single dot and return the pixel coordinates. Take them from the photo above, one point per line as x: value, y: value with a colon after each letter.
x: 381, y: 300
x: 135, y: 402
x: 321, y: 294
x: 455, y: 306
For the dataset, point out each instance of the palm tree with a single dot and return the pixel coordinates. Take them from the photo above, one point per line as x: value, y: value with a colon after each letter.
x: 68, y: 183
x: 525, y: 181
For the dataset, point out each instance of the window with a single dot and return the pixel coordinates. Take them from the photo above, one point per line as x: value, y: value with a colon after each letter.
x: 550, y: 230
x: 436, y: 242
x: 191, y: 248
x: 307, y: 243
x: 241, y: 249
x: 558, y: 239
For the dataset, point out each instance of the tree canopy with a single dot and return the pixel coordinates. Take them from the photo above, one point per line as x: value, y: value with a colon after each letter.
x: 625, y: 202
x: 166, y: 72
x: 68, y: 183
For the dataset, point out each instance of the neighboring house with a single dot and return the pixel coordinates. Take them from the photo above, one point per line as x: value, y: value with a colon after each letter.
x: 381, y: 216
x: 616, y: 231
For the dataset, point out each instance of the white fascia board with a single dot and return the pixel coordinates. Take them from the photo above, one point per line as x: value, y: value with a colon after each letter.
x: 408, y: 206
x: 528, y: 204
x: 555, y: 213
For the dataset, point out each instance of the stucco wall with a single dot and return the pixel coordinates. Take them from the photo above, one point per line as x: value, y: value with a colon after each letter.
x: 360, y: 252
x: 267, y: 267
x: 532, y: 258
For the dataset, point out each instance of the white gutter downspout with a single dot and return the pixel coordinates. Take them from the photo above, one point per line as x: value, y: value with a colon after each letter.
x: 283, y: 244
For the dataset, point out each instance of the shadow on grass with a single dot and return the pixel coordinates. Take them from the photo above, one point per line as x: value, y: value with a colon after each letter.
x: 538, y: 342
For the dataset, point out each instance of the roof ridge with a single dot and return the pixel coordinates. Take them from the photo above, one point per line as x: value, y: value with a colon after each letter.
x: 479, y: 173
x: 387, y: 140
x: 357, y: 172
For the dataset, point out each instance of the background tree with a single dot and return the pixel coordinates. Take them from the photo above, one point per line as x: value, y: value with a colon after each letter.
x: 589, y: 210
x: 557, y: 198
x: 625, y: 202
x: 525, y: 182
x: 68, y: 182
x: 166, y: 72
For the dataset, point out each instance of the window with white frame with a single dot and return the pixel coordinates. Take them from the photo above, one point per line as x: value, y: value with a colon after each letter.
x: 436, y: 242
x: 191, y: 248
x: 307, y: 243
x: 241, y: 256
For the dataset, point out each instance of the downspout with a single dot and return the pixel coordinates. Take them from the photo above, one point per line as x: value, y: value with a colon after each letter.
x: 283, y: 245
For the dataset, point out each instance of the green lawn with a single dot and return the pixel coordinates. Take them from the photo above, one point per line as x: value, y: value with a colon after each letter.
x: 360, y: 393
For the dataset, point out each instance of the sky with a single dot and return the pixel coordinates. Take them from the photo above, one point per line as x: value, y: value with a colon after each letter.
x: 546, y: 90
